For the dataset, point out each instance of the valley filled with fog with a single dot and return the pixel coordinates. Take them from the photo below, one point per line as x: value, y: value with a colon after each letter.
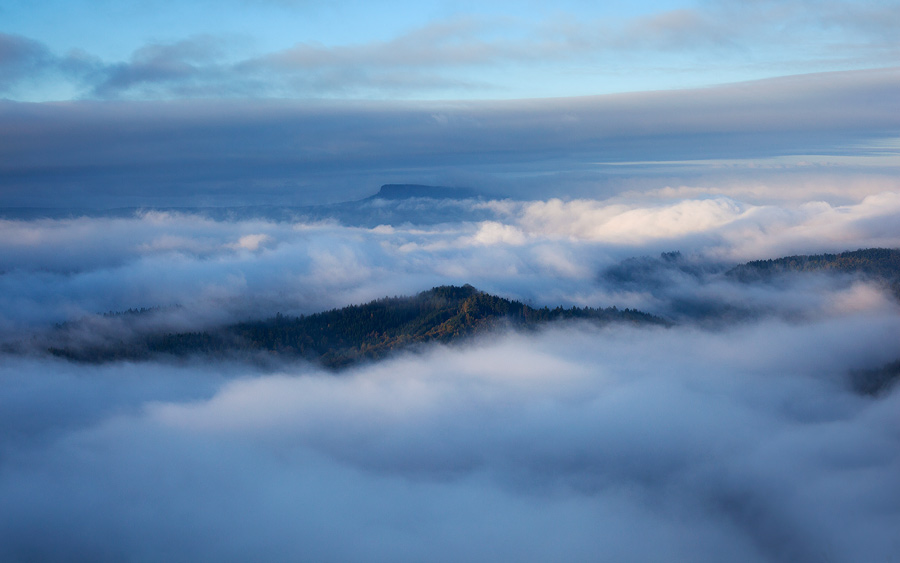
x: 733, y: 432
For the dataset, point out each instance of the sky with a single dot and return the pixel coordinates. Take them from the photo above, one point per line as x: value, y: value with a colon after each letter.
x: 212, y: 161
x: 149, y: 49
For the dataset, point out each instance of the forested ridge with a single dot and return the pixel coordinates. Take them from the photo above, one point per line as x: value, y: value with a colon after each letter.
x: 882, y: 264
x: 340, y: 337
x: 346, y: 335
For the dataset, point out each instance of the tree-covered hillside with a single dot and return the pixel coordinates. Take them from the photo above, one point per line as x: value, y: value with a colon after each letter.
x: 881, y: 264
x: 343, y: 336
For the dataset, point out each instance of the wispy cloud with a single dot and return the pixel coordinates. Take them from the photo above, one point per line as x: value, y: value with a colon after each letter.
x: 25, y: 63
x: 192, y: 67
x: 480, y: 55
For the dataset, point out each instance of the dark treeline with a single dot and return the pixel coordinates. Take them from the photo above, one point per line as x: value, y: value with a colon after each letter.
x: 881, y: 264
x: 877, y: 381
x: 340, y: 337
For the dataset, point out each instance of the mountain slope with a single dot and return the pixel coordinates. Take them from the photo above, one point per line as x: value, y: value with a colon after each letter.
x: 343, y: 336
x: 876, y: 263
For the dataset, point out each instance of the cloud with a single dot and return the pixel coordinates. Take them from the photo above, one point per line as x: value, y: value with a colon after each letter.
x: 492, y: 232
x: 482, y: 54
x: 733, y: 435
x: 621, y: 224
x: 436, y: 44
x: 207, y: 66
x: 18, y: 55
x: 250, y: 242
x: 683, y: 31
x: 25, y: 62
x: 288, y: 152
x: 676, y: 29
x: 722, y: 227
x: 190, y: 67
x: 573, y: 443
x: 202, y: 271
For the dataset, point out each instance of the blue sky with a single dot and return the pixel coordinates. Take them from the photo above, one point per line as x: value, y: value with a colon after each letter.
x: 152, y: 49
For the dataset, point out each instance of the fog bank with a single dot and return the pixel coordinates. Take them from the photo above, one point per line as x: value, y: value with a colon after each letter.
x: 575, y: 443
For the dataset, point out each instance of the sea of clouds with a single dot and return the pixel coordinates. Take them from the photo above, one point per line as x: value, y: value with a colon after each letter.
x: 734, y: 434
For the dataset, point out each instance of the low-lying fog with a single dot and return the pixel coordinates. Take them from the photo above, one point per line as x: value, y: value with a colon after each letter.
x: 733, y: 435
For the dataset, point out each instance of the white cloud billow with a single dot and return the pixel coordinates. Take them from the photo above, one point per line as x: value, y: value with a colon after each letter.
x: 550, y: 251
x: 658, y: 445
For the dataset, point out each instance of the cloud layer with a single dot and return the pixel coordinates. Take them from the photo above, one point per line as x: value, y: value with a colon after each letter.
x: 548, y: 252
x: 815, y: 133
x: 658, y: 445
x: 734, y: 435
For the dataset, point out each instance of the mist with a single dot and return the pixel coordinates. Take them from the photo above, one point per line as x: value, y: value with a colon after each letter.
x: 575, y: 443
x: 197, y: 271
x: 734, y: 434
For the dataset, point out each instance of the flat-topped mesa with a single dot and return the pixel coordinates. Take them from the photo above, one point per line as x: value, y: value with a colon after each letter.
x: 407, y: 191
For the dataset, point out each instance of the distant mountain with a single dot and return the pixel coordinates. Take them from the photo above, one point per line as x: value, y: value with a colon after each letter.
x: 407, y: 191
x: 879, y: 264
x: 392, y: 204
x: 341, y: 337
